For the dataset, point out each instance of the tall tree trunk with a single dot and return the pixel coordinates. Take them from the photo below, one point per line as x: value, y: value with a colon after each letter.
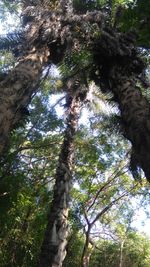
x: 16, y: 91
x: 121, y: 69
x: 53, y: 249
x: 121, y: 254
x: 85, y: 259
x: 135, y: 112
x: 48, y: 33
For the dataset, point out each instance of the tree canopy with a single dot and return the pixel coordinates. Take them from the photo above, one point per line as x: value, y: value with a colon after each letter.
x: 74, y: 135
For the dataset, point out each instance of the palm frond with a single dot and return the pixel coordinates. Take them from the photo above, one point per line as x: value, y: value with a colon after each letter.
x: 11, y: 41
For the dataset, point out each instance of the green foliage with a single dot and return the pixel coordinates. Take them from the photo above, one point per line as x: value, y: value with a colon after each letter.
x: 74, y: 248
x: 8, y: 7
x: 27, y: 178
x: 7, y: 61
x: 82, y: 6
x: 137, y: 18
x: 101, y: 173
x: 135, y: 252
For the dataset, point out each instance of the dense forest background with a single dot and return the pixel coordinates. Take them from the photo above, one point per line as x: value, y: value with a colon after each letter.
x: 74, y: 132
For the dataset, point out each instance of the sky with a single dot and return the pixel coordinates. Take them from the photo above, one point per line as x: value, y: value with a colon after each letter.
x: 141, y: 223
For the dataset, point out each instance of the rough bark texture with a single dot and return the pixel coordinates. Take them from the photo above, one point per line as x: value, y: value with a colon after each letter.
x: 53, y: 250
x: 135, y: 112
x: 16, y: 91
x: 121, y: 71
x: 48, y: 33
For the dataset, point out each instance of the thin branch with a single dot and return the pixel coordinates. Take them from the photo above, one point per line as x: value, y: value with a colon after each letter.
x: 105, y: 185
x: 110, y: 205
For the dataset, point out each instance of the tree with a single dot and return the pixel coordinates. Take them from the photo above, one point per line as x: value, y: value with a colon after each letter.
x: 136, y: 252
x: 38, y: 47
x: 120, y: 75
x: 56, y: 31
x: 101, y: 191
x: 54, y: 244
x: 46, y: 40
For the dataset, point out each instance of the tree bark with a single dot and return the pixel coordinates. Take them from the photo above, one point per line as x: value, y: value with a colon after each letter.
x: 121, y: 69
x: 53, y: 249
x: 135, y: 112
x: 121, y: 254
x: 16, y: 91
x: 85, y: 259
x: 48, y: 34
